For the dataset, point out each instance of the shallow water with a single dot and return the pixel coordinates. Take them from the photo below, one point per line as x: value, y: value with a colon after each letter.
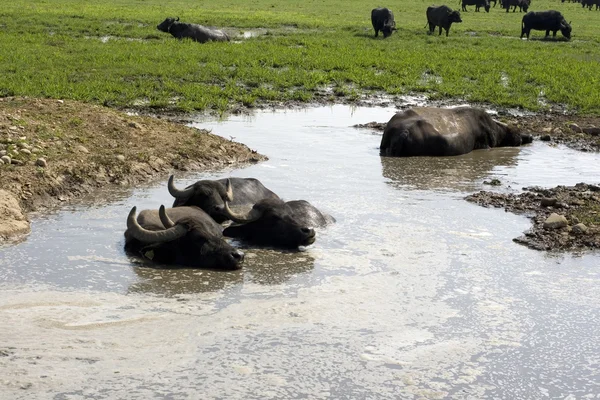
x: 413, y: 293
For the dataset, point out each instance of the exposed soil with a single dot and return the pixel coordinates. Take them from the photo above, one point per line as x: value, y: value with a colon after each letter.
x: 55, y: 150
x: 575, y: 225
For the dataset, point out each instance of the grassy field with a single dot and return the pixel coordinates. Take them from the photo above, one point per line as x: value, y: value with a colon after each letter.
x: 110, y: 52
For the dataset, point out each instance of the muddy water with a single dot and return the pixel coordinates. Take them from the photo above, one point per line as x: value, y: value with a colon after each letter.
x: 413, y: 293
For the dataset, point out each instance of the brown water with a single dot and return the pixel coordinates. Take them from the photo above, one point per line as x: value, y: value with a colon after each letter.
x: 413, y: 293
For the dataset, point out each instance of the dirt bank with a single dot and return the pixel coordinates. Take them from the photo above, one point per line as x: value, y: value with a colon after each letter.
x: 564, y: 218
x: 55, y: 150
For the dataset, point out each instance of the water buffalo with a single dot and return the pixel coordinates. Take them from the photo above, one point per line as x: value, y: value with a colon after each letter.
x: 430, y: 131
x: 383, y: 20
x: 274, y: 222
x: 590, y: 3
x: 196, y: 32
x: 183, y: 236
x: 441, y: 16
x: 545, y: 21
x: 210, y: 196
x: 522, y: 4
x: 477, y: 3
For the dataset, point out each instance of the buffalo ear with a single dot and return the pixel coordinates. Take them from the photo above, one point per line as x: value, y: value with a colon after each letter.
x: 570, y: 22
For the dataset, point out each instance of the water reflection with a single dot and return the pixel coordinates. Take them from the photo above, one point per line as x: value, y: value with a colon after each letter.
x: 261, y: 266
x: 463, y: 172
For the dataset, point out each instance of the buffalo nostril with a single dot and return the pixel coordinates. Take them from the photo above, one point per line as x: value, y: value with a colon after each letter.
x: 219, y: 208
x: 237, y: 255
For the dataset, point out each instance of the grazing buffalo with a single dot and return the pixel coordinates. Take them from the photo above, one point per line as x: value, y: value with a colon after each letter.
x: 210, y: 196
x: 196, y: 32
x: 477, y: 3
x: 522, y: 4
x: 273, y: 222
x: 184, y: 236
x: 441, y: 16
x: 430, y: 131
x: 383, y: 20
x: 545, y: 21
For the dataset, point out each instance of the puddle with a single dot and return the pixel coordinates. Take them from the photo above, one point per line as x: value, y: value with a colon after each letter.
x: 413, y: 293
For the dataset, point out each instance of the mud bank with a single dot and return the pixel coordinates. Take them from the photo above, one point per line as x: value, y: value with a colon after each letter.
x: 565, y: 218
x: 55, y: 150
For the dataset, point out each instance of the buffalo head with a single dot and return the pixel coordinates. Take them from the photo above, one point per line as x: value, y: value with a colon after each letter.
x: 454, y: 16
x: 511, y: 136
x: 210, y: 196
x: 165, y: 26
x: 190, y: 241
x: 270, y: 222
x: 565, y: 29
x: 389, y: 28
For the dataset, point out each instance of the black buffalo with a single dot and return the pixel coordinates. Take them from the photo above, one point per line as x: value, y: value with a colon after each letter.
x: 545, y: 21
x: 383, y: 20
x: 430, y: 131
x: 211, y: 195
x: 196, y: 32
x: 590, y: 3
x: 274, y: 222
x: 477, y: 3
x: 522, y: 4
x: 441, y: 16
x: 183, y: 236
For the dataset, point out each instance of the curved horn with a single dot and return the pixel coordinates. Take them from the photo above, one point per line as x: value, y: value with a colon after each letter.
x: 251, y: 216
x: 177, y: 193
x: 229, y: 191
x: 177, y: 19
x: 144, y: 235
x: 500, y: 123
x: 164, y: 218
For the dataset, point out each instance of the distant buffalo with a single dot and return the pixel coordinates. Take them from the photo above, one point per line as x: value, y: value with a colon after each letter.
x: 183, y: 236
x: 590, y: 3
x: 431, y: 131
x: 383, y: 20
x: 196, y: 32
x: 545, y: 21
x: 522, y: 4
x: 274, y: 222
x: 442, y: 16
x: 211, y: 195
x: 477, y: 3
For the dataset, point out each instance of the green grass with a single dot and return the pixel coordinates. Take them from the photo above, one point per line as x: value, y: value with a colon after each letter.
x: 52, y: 48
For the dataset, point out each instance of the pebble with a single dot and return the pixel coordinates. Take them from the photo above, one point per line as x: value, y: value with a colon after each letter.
x: 3, y: 153
x: 25, y: 151
x: 121, y: 157
x: 574, y: 220
x: 41, y: 162
x: 575, y: 128
x: 17, y: 162
x: 555, y: 221
x: 592, y: 131
x: 6, y: 159
x: 547, y: 202
x: 579, y: 229
x: 82, y: 149
x: 545, y: 138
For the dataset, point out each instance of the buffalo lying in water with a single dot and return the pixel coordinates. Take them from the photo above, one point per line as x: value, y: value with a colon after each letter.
x: 430, y: 131
x: 211, y: 195
x: 274, y: 222
x: 196, y: 32
x: 184, y: 236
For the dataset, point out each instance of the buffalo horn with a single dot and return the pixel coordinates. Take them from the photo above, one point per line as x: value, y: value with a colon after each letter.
x: 500, y: 123
x: 252, y: 215
x: 177, y: 19
x: 229, y: 193
x: 147, y: 236
x: 164, y: 218
x: 183, y: 194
